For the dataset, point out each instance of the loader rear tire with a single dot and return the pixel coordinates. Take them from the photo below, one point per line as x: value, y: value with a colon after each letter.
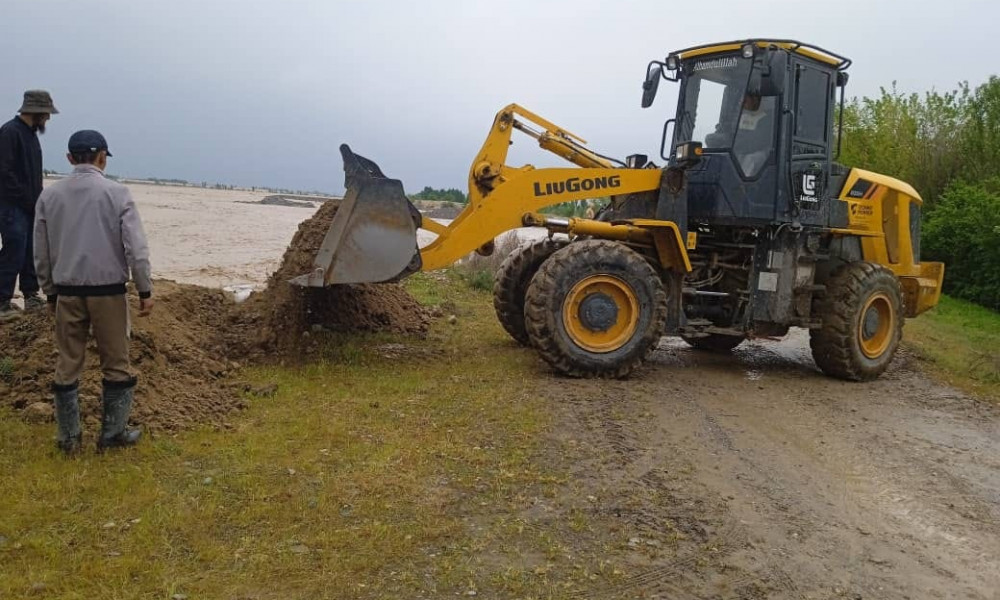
x: 510, y: 284
x: 715, y: 342
x: 862, y: 314
x: 595, y: 308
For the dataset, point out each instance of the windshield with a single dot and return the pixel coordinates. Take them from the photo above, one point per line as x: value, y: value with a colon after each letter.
x: 713, y: 94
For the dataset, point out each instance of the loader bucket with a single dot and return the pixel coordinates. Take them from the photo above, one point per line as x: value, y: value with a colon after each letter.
x: 373, y: 236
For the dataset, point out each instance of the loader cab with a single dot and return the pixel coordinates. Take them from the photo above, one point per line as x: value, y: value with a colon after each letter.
x: 763, y: 112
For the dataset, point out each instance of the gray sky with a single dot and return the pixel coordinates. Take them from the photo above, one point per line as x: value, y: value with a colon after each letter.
x: 255, y: 92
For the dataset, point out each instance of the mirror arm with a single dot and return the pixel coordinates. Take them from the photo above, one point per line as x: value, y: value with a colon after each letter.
x: 663, y: 142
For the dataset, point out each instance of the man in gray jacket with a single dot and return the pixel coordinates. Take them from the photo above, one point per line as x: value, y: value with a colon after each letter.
x: 88, y: 238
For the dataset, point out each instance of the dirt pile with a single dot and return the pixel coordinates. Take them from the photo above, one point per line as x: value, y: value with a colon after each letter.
x: 282, y: 314
x: 188, y: 350
x: 183, y: 372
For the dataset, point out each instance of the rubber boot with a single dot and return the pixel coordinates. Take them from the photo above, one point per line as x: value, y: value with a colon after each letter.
x: 9, y: 312
x: 117, y: 398
x: 34, y: 302
x: 67, y: 403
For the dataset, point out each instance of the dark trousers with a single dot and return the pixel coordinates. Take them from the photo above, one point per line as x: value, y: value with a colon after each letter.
x: 16, y: 252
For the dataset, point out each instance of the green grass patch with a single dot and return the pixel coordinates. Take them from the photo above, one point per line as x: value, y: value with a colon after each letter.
x: 961, y: 343
x: 6, y: 369
x: 478, y: 271
x: 389, y: 469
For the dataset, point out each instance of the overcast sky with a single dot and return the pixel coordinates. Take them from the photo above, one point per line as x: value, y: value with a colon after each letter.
x: 255, y: 92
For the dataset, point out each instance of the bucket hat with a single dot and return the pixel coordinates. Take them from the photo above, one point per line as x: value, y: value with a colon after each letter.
x: 38, y: 101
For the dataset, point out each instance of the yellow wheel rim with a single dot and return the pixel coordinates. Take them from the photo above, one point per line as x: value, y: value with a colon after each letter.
x: 875, y: 325
x: 601, y: 313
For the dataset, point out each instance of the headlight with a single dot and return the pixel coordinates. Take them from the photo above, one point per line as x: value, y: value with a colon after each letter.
x: 688, y: 153
x: 672, y: 63
x: 748, y: 51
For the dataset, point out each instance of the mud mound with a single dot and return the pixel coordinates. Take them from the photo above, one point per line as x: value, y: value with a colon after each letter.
x: 446, y: 210
x: 186, y: 351
x: 283, y: 314
x: 182, y: 370
x: 283, y: 201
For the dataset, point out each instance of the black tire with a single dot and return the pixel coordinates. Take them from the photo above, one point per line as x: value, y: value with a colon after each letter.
x: 862, y: 315
x: 510, y: 284
x: 595, y: 308
x: 715, y: 342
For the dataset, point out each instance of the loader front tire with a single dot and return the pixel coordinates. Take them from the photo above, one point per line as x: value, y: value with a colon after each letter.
x: 862, y: 315
x: 595, y: 308
x: 510, y: 284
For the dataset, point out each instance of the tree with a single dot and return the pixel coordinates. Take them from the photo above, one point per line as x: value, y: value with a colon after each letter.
x: 913, y: 138
x: 436, y: 195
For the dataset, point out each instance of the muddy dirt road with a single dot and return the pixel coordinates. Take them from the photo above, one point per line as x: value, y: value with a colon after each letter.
x: 754, y: 476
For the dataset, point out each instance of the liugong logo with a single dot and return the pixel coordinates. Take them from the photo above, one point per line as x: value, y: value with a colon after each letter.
x: 576, y: 184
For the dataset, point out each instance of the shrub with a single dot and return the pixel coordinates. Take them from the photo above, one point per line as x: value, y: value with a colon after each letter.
x: 963, y: 231
x: 6, y: 369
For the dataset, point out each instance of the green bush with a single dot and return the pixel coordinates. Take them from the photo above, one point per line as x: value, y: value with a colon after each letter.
x: 963, y: 231
x: 6, y: 369
x: 947, y: 145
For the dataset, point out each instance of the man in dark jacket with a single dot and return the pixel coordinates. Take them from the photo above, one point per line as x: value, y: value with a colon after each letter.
x: 89, y: 242
x: 20, y: 186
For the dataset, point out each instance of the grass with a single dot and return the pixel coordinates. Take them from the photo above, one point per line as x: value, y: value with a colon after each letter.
x: 384, y: 471
x: 391, y: 468
x: 478, y: 271
x: 960, y: 342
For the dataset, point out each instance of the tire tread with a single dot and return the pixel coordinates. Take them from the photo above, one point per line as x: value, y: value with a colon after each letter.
x: 832, y: 345
x: 541, y: 317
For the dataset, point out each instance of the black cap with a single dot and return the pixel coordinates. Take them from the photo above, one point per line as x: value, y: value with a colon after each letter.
x: 88, y: 140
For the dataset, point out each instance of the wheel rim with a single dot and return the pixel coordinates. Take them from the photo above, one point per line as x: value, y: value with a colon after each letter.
x: 601, y: 313
x: 875, y: 325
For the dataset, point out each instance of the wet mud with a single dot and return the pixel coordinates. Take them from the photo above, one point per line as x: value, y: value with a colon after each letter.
x: 752, y: 475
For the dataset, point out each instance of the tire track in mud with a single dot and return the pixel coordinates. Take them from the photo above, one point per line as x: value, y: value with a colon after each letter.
x: 669, y: 577
x: 724, y: 441
x: 872, y: 489
x: 787, y: 484
x: 613, y: 417
x: 853, y: 476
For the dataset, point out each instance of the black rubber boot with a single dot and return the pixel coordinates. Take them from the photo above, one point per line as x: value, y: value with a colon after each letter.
x: 117, y: 398
x: 72, y: 445
x: 9, y: 312
x: 67, y: 404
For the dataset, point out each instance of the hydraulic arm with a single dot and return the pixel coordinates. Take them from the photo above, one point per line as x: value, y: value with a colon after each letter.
x: 373, y: 237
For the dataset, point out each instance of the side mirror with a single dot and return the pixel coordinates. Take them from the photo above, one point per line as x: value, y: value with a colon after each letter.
x: 653, y: 75
x: 768, y: 79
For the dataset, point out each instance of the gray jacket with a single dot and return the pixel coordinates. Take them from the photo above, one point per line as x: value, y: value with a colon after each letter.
x: 88, y: 236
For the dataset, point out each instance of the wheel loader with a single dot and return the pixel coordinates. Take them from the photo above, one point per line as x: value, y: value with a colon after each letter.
x: 749, y: 228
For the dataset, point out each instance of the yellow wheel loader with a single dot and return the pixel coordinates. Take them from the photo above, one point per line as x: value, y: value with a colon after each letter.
x: 749, y: 228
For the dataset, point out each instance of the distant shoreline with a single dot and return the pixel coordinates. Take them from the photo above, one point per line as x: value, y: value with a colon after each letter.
x: 313, y: 196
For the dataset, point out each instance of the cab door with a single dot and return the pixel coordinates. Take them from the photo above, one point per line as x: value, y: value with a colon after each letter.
x: 811, y: 141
